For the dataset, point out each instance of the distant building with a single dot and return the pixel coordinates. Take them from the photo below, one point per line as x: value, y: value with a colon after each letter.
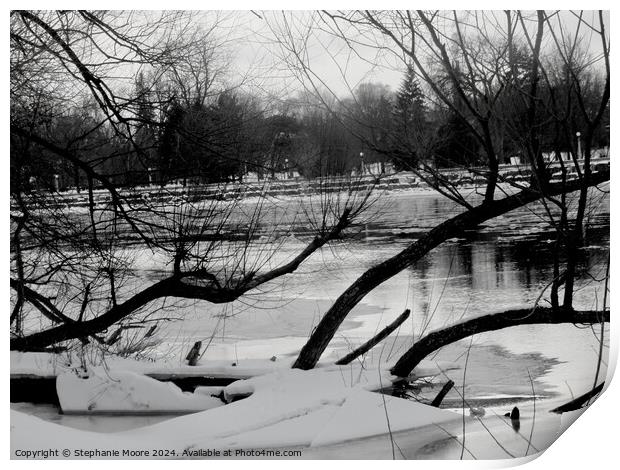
x: 251, y: 177
x: 373, y: 169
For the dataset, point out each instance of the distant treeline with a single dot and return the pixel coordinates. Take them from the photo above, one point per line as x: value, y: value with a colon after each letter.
x: 181, y: 136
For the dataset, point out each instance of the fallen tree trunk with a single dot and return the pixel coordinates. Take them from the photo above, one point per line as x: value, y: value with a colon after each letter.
x: 491, y: 322
x: 442, y: 393
x: 578, y: 402
x: 372, y: 342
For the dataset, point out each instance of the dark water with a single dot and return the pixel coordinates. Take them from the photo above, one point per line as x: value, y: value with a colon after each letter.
x: 507, y: 261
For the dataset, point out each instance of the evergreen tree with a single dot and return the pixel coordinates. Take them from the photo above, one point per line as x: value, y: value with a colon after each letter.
x: 456, y: 146
x: 411, y: 123
x: 410, y: 107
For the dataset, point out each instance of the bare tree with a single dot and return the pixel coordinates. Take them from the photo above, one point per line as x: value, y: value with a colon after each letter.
x: 71, y: 274
x: 494, y: 74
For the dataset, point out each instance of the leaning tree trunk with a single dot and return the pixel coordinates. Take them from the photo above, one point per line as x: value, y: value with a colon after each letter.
x: 373, y: 277
x: 491, y: 322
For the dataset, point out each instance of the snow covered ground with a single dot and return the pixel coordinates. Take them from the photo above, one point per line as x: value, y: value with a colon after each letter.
x: 119, y: 391
x: 320, y: 413
x: 127, y: 385
x: 328, y: 412
x: 286, y: 408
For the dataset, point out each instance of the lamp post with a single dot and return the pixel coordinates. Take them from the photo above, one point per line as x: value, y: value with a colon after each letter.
x: 578, y: 145
x: 362, y: 160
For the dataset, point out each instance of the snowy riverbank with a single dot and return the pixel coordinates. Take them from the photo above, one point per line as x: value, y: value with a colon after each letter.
x: 318, y: 413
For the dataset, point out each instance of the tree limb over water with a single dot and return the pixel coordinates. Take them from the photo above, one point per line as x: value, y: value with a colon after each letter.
x: 491, y: 322
x: 451, y: 228
x: 197, y: 284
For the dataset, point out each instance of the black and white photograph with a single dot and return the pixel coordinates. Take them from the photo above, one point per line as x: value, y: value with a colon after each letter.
x: 307, y: 234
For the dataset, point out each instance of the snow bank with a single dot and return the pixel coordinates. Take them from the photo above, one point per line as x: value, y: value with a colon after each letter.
x: 209, y: 391
x: 51, y: 365
x: 292, y: 407
x: 31, y: 432
x: 287, y: 407
x: 568, y: 418
x: 366, y: 414
x: 117, y: 391
x: 295, y: 432
x: 38, y: 364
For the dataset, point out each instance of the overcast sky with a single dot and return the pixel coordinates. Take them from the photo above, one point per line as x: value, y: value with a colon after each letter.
x: 253, y: 44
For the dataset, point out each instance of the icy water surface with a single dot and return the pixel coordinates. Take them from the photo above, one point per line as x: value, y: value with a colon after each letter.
x: 504, y: 264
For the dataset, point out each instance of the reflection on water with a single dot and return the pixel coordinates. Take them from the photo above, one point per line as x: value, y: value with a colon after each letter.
x: 506, y: 263
x: 502, y: 264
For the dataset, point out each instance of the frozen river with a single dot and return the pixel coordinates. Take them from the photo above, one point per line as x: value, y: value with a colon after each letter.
x: 504, y: 264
